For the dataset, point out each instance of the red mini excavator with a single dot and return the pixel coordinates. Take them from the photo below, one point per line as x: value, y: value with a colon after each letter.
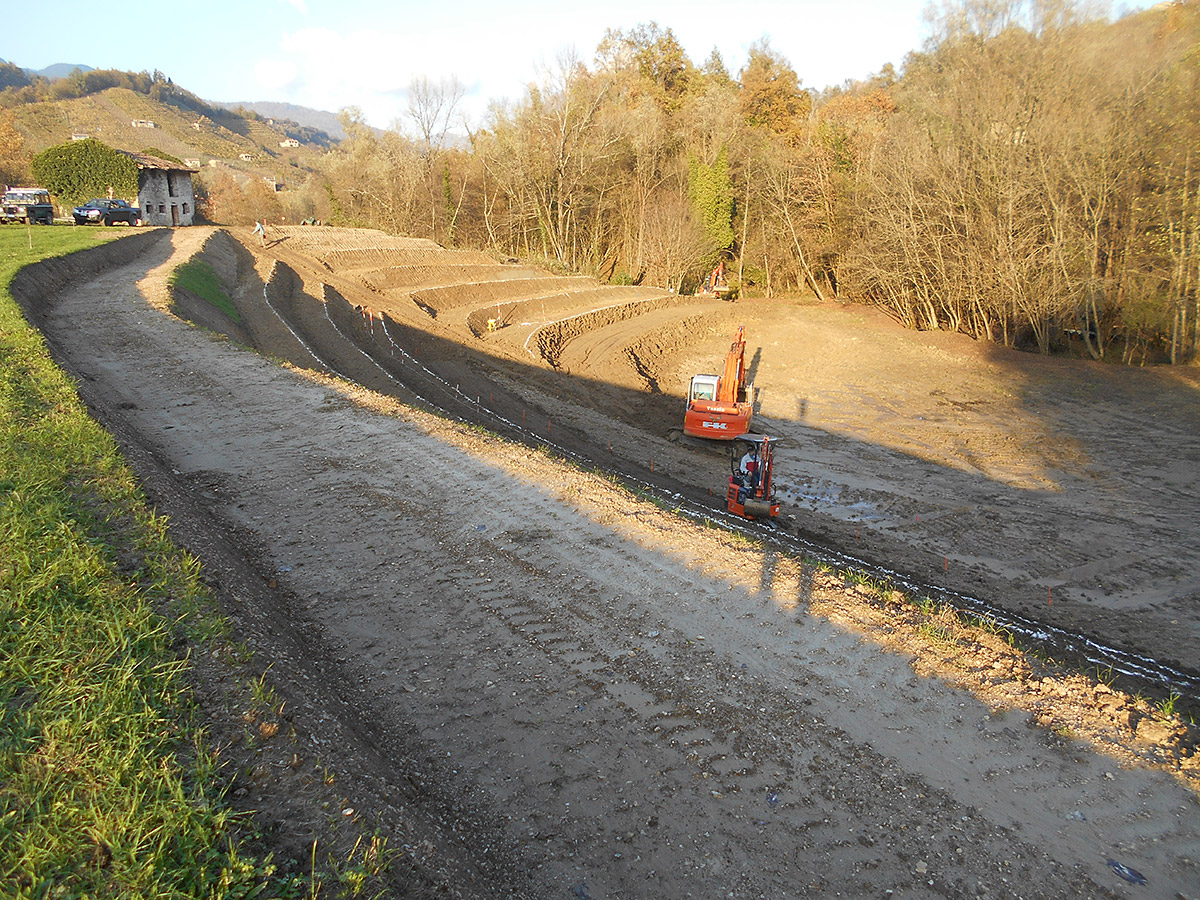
x: 751, y: 493
x: 717, y: 407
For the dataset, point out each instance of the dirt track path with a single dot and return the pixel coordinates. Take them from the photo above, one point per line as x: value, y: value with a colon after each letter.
x: 609, y: 702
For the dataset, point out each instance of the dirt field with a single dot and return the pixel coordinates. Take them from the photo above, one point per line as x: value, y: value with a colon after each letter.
x: 535, y: 685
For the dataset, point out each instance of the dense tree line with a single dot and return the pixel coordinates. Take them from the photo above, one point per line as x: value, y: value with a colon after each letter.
x: 1039, y: 182
x: 1030, y: 178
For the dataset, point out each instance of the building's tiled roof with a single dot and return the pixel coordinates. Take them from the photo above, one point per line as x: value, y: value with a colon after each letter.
x: 144, y: 161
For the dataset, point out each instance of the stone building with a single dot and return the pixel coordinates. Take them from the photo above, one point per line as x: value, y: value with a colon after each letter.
x: 165, y: 193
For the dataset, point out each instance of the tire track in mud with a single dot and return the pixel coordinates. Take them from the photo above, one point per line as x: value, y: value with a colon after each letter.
x: 558, y: 627
x: 580, y: 664
x: 571, y: 673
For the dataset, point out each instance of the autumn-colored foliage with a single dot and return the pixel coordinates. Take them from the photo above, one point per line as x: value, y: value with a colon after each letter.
x: 1031, y: 177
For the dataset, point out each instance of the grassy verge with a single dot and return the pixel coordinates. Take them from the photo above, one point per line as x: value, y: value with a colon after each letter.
x: 105, y: 788
x: 198, y: 277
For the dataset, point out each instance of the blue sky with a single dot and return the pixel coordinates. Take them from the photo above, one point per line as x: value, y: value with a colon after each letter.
x: 330, y: 54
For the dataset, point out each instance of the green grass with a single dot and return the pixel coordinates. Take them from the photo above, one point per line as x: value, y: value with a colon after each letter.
x: 199, y: 278
x: 1168, y: 706
x: 106, y: 789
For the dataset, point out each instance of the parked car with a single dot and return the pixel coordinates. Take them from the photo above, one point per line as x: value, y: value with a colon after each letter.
x: 29, y: 205
x: 106, y: 212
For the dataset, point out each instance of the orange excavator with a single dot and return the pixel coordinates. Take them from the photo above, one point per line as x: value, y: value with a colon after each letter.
x: 716, y: 406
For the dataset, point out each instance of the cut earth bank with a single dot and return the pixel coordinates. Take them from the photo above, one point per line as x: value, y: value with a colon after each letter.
x: 535, y: 684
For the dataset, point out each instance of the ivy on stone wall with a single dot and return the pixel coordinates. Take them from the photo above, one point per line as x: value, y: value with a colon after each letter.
x: 80, y: 170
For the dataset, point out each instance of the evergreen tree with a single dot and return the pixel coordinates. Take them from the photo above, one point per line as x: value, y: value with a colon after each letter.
x: 710, y: 188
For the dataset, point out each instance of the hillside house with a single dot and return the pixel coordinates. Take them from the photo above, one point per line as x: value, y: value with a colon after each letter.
x: 142, y: 123
x: 165, y: 192
x: 191, y: 162
x: 290, y: 143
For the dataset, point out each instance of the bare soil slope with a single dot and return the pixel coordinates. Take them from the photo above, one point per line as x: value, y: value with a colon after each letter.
x: 538, y: 686
x: 1062, y: 491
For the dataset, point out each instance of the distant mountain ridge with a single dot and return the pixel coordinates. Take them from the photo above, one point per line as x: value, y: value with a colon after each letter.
x: 318, y: 119
x: 58, y: 70
x: 301, y: 115
x: 140, y: 113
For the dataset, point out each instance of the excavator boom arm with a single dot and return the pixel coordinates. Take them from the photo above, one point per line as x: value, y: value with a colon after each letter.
x: 730, y: 387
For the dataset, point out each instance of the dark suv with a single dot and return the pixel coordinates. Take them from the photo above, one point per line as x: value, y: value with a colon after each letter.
x: 29, y: 205
x: 107, y: 212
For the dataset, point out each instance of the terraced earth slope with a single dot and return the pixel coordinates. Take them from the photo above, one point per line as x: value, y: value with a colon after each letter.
x: 536, y: 684
x: 1059, y: 491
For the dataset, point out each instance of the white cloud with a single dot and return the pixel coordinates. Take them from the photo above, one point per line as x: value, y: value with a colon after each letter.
x: 372, y: 69
x: 275, y: 75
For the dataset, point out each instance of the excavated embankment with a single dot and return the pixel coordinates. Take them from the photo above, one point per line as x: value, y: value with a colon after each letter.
x: 537, y: 686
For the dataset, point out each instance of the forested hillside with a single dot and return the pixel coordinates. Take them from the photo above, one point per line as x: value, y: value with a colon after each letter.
x: 1030, y: 178
x: 240, y: 153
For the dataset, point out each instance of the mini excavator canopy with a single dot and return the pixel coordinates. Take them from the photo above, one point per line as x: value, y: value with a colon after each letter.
x: 751, y: 491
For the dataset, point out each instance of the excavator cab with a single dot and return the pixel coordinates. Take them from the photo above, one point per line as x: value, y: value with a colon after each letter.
x: 704, y: 387
x: 750, y: 493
